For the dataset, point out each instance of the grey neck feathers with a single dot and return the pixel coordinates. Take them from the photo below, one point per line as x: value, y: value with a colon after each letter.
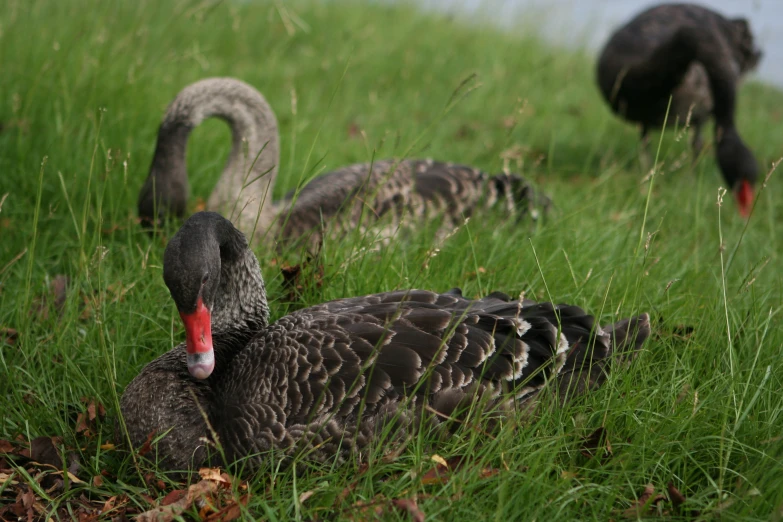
x: 241, y: 307
x: 244, y: 191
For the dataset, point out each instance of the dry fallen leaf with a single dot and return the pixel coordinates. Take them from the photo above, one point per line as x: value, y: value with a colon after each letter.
x: 409, y: 505
x: 440, y: 460
x: 168, y: 512
x: 643, y: 505
x: 676, y: 497
x: 147, y: 446
x: 441, y: 473
x: 108, y: 505
x: 58, y: 293
x: 43, y: 450
x: 597, y: 445
x: 8, y: 336
x: 214, y: 474
x: 295, y: 283
x: 173, y: 496
x: 7, y: 479
x: 6, y: 446
x: 230, y: 512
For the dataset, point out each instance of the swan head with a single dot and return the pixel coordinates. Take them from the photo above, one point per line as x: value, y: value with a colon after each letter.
x: 739, y: 168
x: 192, y: 271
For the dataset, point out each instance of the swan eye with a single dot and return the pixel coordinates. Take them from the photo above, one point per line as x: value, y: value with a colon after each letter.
x: 204, y: 279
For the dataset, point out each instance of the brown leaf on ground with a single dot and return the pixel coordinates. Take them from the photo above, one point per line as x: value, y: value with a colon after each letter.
x: 230, y: 512
x: 152, y: 480
x: 200, y: 205
x: 85, y: 422
x: 58, y: 293
x: 444, y: 468
x: 597, y: 445
x: 6, y: 446
x: 442, y: 471
x: 675, y: 496
x: 95, y: 409
x: 8, y: 479
x: 82, y: 425
x: 28, y: 501
x: 174, y: 496
x: 488, y: 472
x: 295, y: 283
x: 108, y: 505
x: 645, y: 504
x: 474, y: 274
x: 147, y: 446
x: 409, y: 505
x: 169, y: 512
x: 8, y: 336
x: 350, y: 487
x: 291, y: 274
x: 368, y: 510
x: 678, y: 499
x: 214, y: 474
x: 44, y: 451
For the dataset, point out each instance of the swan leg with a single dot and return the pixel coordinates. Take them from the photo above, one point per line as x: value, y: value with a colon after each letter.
x: 644, y: 149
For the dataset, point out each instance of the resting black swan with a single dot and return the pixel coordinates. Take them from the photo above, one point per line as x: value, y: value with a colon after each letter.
x: 697, y: 57
x: 359, y: 193
x: 328, y: 378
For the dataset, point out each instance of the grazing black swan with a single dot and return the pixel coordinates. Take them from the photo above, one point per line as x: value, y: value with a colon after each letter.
x: 328, y: 379
x: 697, y: 57
x: 359, y: 193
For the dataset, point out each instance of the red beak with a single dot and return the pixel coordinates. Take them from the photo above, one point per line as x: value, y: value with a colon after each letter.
x: 744, y: 195
x: 198, y: 339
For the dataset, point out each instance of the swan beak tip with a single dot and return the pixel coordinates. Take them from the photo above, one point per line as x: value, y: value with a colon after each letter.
x: 198, y: 337
x: 744, y: 196
x: 201, y: 365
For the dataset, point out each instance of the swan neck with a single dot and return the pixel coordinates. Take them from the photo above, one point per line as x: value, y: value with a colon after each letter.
x: 241, y: 308
x: 243, y: 193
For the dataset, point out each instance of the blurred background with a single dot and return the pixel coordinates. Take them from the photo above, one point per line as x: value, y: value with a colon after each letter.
x: 575, y: 23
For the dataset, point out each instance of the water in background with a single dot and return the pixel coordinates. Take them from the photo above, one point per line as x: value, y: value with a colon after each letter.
x: 589, y: 22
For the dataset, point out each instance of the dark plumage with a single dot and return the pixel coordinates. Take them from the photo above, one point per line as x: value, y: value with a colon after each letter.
x: 330, y: 378
x: 697, y: 57
x: 356, y: 195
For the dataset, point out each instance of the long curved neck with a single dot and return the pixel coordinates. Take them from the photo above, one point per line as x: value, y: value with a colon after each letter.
x: 240, y: 309
x: 244, y: 191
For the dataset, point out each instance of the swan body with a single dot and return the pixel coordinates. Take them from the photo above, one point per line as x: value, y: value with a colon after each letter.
x: 697, y: 57
x: 347, y: 197
x: 328, y: 380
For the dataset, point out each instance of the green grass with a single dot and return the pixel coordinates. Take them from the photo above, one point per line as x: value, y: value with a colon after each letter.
x: 84, y: 86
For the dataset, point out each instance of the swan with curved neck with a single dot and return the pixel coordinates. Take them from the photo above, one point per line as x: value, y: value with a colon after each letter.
x: 357, y: 193
x: 331, y: 379
x: 697, y: 57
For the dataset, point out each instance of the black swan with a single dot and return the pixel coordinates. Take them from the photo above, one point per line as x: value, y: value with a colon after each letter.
x: 359, y: 193
x: 697, y: 57
x: 328, y: 379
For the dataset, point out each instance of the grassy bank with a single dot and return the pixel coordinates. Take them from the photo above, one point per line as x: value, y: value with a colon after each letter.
x: 83, y: 88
